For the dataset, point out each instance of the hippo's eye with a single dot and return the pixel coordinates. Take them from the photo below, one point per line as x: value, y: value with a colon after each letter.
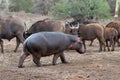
x: 80, y: 43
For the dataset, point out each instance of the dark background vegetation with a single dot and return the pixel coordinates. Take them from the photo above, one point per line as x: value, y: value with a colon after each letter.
x: 77, y: 9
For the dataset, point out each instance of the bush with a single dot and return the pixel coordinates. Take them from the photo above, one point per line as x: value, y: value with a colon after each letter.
x: 43, y: 6
x: 85, y: 9
x: 18, y: 5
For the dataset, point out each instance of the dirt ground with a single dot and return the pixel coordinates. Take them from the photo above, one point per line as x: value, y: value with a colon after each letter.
x: 92, y: 65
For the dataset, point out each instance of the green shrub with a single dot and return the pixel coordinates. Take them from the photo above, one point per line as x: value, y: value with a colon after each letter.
x: 18, y: 5
x: 81, y: 9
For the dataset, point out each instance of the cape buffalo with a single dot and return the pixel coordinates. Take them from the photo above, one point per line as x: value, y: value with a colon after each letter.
x: 111, y: 36
x: 46, y: 25
x: 10, y: 28
x: 44, y: 44
x: 92, y: 31
x: 115, y: 25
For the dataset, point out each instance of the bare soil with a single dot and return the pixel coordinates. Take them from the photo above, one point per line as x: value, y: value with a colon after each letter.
x: 92, y: 65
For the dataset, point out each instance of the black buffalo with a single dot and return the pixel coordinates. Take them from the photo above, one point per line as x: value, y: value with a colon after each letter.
x: 74, y: 25
x: 43, y: 44
x: 10, y: 28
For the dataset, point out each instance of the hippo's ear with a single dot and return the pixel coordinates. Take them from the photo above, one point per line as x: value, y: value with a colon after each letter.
x: 78, y: 39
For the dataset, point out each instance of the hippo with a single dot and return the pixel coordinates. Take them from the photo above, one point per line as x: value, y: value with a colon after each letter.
x: 44, y: 44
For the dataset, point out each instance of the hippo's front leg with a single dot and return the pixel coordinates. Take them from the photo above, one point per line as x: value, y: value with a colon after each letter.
x: 62, y: 57
x: 55, y: 57
x: 21, y: 60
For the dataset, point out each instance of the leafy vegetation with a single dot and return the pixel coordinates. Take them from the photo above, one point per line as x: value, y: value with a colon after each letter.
x: 18, y: 5
x: 85, y: 9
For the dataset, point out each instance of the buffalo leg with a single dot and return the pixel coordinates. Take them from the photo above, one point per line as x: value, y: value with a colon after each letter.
x: 107, y: 45
x: 62, y: 57
x: 102, y: 43
x: 55, y: 57
x: 19, y: 39
x: 84, y: 44
x: 17, y: 44
x: 112, y: 45
x: 91, y: 43
x: 36, y: 60
x: 100, y: 49
x: 1, y: 44
x: 118, y: 43
x: 21, y: 60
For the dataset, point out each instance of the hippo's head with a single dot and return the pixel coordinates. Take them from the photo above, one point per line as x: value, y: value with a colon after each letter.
x: 78, y: 46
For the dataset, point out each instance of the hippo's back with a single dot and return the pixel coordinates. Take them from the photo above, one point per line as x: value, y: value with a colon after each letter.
x: 46, y: 41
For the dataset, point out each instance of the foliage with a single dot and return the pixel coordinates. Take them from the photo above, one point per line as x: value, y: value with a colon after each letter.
x: 4, y: 4
x: 81, y: 9
x: 43, y: 6
x: 18, y: 5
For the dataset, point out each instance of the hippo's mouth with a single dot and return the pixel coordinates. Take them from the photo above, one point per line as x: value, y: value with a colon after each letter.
x: 81, y: 51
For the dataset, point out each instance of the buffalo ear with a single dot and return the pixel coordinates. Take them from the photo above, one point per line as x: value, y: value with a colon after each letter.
x: 25, y: 34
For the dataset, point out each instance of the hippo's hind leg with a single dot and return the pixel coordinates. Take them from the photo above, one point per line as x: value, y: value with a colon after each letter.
x: 62, y: 57
x: 36, y: 60
x: 21, y: 60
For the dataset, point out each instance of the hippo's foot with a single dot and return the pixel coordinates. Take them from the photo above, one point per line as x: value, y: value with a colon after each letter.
x: 20, y: 66
x: 38, y: 64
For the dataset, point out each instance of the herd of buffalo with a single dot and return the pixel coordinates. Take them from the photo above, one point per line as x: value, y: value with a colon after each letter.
x: 51, y: 37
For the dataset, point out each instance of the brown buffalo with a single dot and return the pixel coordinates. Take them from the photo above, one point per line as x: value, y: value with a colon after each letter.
x: 10, y: 28
x: 47, y: 25
x: 111, y: 35
x: 91, y: 32
x: 116, y: 25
